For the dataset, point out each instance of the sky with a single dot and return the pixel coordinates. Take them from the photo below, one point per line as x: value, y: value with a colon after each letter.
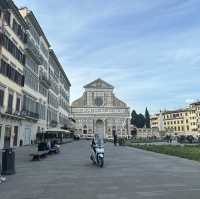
x: 148, y: 50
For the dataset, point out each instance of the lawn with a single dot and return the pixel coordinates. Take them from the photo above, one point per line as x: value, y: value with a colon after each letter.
x: 191, y: 152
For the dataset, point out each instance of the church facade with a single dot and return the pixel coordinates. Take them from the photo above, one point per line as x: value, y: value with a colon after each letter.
x: 98, y: 110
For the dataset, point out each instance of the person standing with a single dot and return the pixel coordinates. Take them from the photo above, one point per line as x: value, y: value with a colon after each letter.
x: 115, y: 138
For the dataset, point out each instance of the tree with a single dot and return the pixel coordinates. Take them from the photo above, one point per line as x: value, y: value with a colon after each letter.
x: 137, y: 120
x: 147, y: 118
x: 134, y: 118
x: 140, y: 121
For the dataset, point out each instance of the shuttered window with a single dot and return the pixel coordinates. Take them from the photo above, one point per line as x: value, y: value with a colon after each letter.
x: 11, y: 73
x: 1, y: 97
x: 12, y: 48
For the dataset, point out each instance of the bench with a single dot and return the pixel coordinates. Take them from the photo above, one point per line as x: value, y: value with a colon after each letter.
x: 39, y: 154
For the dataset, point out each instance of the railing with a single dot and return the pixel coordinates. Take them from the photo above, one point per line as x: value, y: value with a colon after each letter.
x: 30, y: 46
x: 44, y: 79
x: 27, y: 113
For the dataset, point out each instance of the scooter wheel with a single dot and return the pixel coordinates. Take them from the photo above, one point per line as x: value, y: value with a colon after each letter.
x: 101, y: 162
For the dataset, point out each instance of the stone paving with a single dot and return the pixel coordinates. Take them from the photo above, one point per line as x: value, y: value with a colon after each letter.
x: 128, y: 174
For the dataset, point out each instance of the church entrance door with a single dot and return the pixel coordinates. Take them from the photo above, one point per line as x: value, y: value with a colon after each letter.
x: 100, y: 127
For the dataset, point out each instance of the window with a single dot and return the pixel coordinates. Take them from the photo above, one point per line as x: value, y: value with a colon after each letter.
x: 31, y: 79
x: 7, y: 17
x: 42, y: 90
x: 15, y: 139
x: 12, y: 48
x: 15, y: 26
x: 11, y: 73
x: 19, y: 31
x: 7, y: 136
x: 32, y: 64
x: 99, y: 101
x: 52, y: 100
x: 85, y: 129
x: 10, y: 103
x: 18, y: 102
x: 1, y: 97
x: 30, y: 104
x: 42, y: 111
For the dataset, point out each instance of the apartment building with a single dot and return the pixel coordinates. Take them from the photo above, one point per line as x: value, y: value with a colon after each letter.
x: 37, y: 82
x: 184, y: 120
x: 12, y: 57
x: 157, y: 121
x: 34, y: 89
x: 59, y: 94
x: 196, y: 107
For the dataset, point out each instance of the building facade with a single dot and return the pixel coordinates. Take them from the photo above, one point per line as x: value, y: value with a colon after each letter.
x: 58, y: 95
x: 179, y: 121
x: 98, y: 110
x: 37, y: 82
x: 12, y: 59
x: 34, y: 89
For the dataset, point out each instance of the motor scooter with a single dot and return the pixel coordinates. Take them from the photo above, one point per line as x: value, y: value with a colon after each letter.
x: 97, y: 153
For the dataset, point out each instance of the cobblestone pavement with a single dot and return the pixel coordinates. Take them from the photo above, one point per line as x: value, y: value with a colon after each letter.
x: 128, y: 174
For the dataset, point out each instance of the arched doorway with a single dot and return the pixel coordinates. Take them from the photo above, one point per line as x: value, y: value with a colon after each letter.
x: 100, y: 127
x: 84, y: 129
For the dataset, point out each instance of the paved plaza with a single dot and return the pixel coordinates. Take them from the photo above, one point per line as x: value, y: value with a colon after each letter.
x: 128, y: 173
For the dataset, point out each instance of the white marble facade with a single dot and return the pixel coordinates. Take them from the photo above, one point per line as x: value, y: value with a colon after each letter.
x: 98, y: 110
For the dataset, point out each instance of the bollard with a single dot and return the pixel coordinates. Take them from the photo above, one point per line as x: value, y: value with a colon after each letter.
x: 8, y: 162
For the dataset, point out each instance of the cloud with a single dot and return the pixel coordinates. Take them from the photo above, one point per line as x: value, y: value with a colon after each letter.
x: 148, y: 51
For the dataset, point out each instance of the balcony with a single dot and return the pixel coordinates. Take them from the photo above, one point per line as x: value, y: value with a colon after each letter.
x: 45, y: 80
x: 53, y: 123
x: 30, y: 114
x: 9, y: 113
x: 34, y: 52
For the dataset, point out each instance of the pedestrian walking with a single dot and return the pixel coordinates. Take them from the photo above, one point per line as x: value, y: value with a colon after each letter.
x: 115, y: 138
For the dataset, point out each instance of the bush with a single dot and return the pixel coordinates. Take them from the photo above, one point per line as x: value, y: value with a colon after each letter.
x: 121, y: 141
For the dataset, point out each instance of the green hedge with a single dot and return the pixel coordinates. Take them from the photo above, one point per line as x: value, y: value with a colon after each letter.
x: 183, y: 151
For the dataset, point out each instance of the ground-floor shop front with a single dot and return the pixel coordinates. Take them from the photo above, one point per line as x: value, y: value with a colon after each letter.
x: 10, y: 131
x: 18, y: 131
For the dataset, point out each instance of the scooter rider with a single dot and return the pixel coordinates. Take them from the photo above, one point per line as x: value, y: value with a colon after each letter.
x: 94, y: 140
x: 97, y: 150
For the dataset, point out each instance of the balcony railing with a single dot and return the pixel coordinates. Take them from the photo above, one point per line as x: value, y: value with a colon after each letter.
x: 27, y: 113
x: 45, y: 80
x: 32, y: 49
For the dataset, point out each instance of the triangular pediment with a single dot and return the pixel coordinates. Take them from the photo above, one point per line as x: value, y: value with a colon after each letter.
x: 99, y: 83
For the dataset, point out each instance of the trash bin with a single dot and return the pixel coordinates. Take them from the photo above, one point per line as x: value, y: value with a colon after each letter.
x: 8, y: 161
